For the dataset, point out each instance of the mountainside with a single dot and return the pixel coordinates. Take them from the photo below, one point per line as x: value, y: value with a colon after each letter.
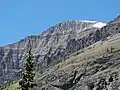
x: 49, y: 47
x: 73, y: 54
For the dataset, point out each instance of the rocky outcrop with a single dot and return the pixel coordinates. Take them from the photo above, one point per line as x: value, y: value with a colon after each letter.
x: 110, y: 83
x: 71, y: 82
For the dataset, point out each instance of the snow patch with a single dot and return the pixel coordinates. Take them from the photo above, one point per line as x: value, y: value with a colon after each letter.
x: 99, y: 25
x: 88, y: 21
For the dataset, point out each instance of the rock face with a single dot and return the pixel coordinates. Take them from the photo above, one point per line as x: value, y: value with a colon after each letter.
x: 57, y: 44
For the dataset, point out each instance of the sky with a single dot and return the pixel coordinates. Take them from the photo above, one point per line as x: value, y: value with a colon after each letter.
x: 21, y: 18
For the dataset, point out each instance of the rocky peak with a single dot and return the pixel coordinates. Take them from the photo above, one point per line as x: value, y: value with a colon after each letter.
x: 79, y: 24
x: 117, y: 18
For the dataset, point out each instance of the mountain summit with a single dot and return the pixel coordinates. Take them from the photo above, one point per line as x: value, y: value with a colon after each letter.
x: 117, y: 18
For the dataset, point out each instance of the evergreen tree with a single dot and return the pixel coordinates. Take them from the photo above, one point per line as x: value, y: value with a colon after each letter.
x: 27, y: 80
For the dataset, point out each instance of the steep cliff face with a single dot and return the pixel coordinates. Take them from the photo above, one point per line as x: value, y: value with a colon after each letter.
x: 52, y: 45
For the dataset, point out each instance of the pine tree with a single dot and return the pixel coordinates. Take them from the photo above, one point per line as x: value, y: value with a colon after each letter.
x: 27, y: 80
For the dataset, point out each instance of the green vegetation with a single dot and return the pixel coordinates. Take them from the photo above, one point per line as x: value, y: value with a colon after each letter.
x: 10, y: 86
x: 28, y: 75
x: 14, y: 86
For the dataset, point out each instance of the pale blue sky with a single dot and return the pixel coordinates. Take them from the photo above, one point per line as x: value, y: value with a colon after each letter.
x: 20, y: 18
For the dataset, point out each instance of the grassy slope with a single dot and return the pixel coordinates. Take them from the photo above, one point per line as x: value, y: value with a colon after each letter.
x: 80, y: 61
x: 12, y: 87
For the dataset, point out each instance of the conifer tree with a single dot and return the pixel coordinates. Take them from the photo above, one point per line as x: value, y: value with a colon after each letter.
x: 27, y: 80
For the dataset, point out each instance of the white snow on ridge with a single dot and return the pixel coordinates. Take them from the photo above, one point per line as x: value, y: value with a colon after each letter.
x: 99, y: 25
x: 88, y: 21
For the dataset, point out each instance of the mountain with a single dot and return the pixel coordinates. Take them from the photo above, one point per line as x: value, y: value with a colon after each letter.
x: 49, y: 47
x: 77, y: 54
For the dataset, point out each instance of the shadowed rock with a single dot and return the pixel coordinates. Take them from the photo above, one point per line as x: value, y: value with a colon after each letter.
x: 69, y: 84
